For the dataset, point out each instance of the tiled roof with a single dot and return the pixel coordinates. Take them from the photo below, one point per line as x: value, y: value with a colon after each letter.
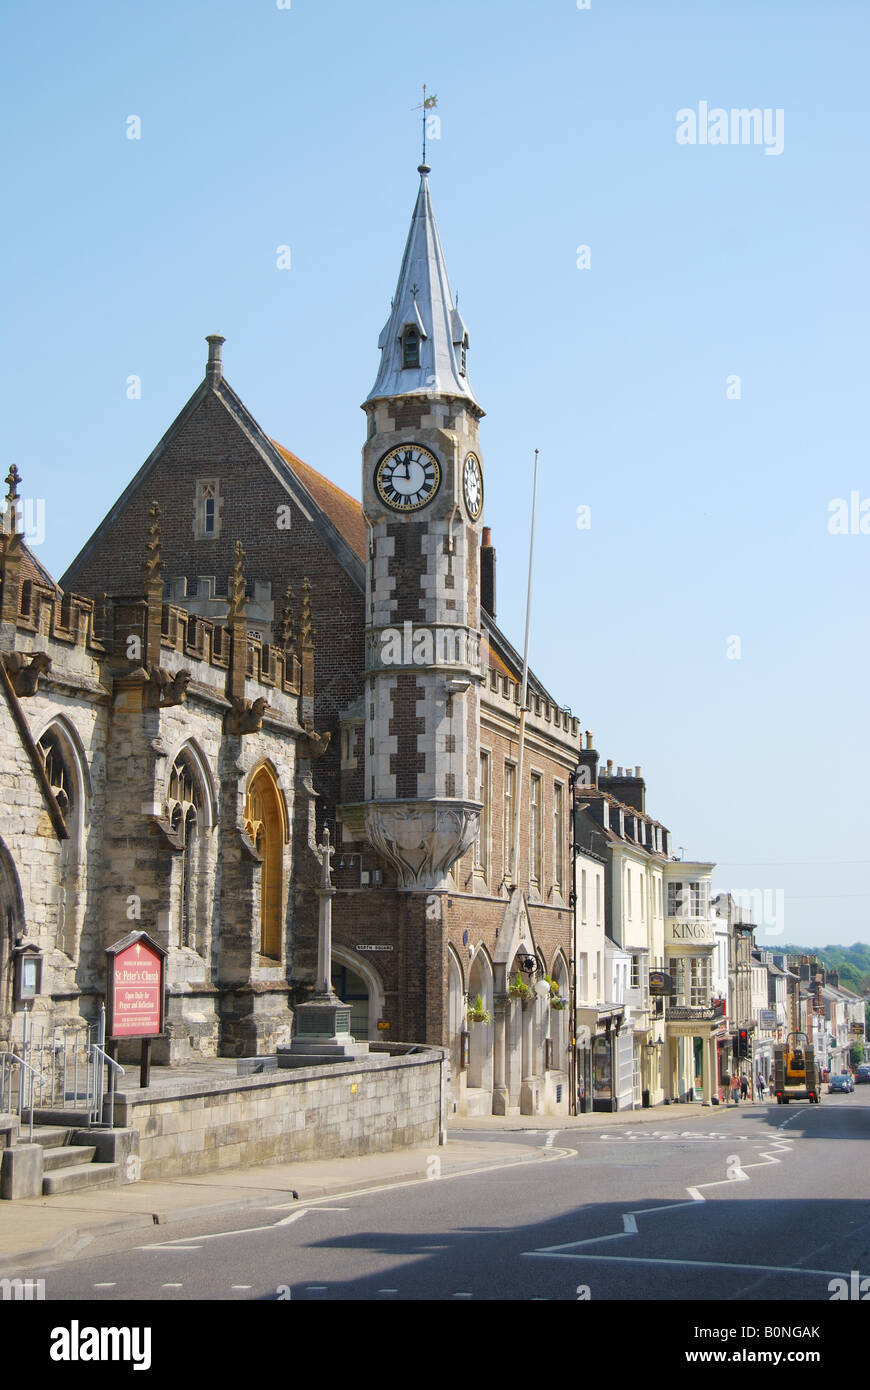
x: 35, y: 571
x: 344, y: 511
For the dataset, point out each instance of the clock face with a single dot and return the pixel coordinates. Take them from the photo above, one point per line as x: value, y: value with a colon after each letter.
x: 408, y: 477
x: 472, y: 486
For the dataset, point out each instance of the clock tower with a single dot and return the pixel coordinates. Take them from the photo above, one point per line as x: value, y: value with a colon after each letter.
x: 423, y: 501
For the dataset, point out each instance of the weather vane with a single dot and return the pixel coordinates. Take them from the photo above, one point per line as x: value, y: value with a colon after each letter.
x: 428, y: 104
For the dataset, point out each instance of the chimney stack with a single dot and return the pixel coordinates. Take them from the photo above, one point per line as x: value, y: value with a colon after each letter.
x: 487, y: 573
x: 214, y: 370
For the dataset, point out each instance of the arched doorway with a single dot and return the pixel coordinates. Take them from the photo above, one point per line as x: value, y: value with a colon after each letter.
x: 480, y: 1050
x: 357, y: 983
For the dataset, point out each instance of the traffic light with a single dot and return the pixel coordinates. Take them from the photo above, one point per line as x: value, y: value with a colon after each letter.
x: 743, y: 1043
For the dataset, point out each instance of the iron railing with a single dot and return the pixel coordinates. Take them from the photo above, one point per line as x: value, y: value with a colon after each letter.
x: 59, y: 1068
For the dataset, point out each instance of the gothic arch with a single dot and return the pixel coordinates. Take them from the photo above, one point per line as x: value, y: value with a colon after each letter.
x: 353, y: 960
x: 456, y: 1003
x: 480, y: 981
x: 559, y: 1018
x: 266, y: 825
x: 12, y: 925
x: 66, y: 765
x: 193, y: 754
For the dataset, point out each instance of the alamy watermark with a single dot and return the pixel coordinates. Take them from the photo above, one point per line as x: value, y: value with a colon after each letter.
x: 763, y: 906
x: 740, y: 126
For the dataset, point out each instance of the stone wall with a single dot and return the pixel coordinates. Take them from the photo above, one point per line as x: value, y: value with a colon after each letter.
x: 385, y: 1102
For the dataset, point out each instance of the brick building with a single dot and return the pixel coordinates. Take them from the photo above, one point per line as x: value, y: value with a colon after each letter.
x: 453, y: 870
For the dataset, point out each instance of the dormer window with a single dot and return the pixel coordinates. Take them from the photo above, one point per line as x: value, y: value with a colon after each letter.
x: 411, y: 348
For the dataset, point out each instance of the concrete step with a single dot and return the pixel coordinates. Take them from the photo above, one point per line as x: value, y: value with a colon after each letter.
x: 78, y: 1119
x: 49, y: 1136
x: 76, y: 1179
x: 70, y: 1156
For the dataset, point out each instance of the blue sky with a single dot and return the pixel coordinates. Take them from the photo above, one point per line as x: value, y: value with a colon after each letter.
x: 263, y: 127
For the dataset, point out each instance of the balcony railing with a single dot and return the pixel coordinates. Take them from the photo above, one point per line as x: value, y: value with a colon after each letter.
x: 685, y: 1013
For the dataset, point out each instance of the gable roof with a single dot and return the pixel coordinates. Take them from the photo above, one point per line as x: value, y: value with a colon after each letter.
x: 326, y: 506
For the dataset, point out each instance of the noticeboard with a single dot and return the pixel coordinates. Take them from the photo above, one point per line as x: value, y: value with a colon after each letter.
x: 135, y: 987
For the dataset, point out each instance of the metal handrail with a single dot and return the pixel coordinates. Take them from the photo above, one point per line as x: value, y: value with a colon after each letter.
x: 114, y: 1067
x: 43, y: 1076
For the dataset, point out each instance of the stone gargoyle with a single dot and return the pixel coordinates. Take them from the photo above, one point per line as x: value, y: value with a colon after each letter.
x: 24, y: 670
x: 168, y: 688
x: 246, y: 716
x: 312, y: 745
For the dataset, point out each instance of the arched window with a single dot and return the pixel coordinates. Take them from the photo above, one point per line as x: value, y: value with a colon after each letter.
x: 185, y: 812
x: 266, y: 826
x: 63, y: 762
x: 411, y: 348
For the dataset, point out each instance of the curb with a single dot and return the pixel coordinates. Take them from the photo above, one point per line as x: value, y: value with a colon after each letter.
x: 92, y: 1229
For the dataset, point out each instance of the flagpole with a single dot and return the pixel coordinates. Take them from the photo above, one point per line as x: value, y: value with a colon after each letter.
x: 525, y: 686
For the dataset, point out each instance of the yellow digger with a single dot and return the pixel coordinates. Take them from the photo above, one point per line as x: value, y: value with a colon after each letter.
x: 795, y: 1073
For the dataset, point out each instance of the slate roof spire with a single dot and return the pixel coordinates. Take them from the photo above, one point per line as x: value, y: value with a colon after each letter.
x: 423, y: 305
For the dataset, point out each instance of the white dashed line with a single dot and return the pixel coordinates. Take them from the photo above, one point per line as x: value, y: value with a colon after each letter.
x: 172, y: 1286
x: 111, y: 1285
x: 463, y: 1295
x: 241, y: 1286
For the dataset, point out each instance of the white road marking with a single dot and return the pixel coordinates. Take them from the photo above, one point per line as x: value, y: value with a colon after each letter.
x: 690, y: 1264
x: 315, y: 1288
x: 241, y: 1286
x: 542, y: 1155
x: 221, y: 1235
x: 111, y: 1285
x: 630, y: 1224
x: 550, y: 1138
x: 168, y: 1246
x: 388, y: 1290
x: 172, y: 1286
x: 463, y: 1295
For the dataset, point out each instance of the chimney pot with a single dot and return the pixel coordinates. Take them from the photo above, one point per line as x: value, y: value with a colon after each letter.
x: 589, y: 737
x: 637, y: 772
x: 619, y: 771
x: 610, y: 767
x: 214, y: 369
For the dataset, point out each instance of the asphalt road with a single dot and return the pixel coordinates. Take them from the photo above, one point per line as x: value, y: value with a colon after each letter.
x: 748, y: 1205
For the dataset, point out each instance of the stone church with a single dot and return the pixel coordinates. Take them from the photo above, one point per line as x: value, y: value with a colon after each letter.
x: 242, y: 653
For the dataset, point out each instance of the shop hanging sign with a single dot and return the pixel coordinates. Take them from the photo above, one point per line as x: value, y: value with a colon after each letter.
x: 136, y: 967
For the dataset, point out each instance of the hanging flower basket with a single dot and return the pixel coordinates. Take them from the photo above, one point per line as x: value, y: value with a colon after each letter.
x: 556, y: 1001
x: 478, y: 1014
x: 518, y: 987
x: 558, y: 1004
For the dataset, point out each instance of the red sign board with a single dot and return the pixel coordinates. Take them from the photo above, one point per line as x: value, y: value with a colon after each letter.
x: 135, y: 988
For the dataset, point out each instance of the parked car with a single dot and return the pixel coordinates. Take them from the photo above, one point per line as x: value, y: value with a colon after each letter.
x: 862, y: 1073
x: 842, y: 1081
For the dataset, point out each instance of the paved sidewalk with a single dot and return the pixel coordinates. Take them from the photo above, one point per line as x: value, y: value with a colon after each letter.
x: 658, y: 1115
x: 41, y: 1229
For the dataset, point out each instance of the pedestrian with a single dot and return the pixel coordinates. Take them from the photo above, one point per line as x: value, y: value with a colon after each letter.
x: 759, y: 1086
x: 735, y: 1088
x: 744, y: 1087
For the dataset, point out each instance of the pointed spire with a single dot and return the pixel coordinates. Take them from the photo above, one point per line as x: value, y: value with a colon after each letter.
x: 11, y: 517
x: 425, y: 329
x: 237, y: 585
x: 306, y: 631
x: 288, y: 625
x: 153, y: 564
